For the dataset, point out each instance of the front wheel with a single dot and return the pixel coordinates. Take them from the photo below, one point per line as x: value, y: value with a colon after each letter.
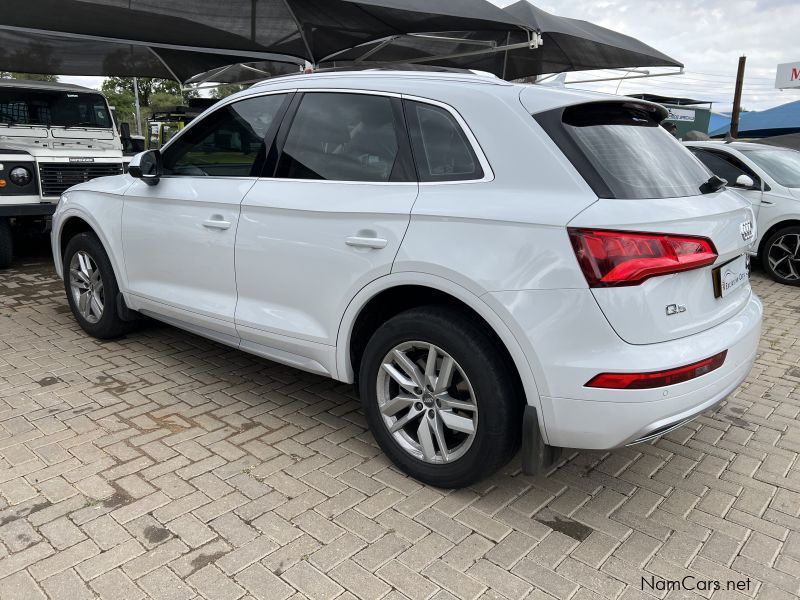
x: 781, y: 256
x: 439, y: 397
x: 92, y: 288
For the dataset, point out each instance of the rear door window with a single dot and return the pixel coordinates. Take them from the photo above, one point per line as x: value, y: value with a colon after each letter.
x: 442, y: 150
x: 623, y: 152
x: 342, y: 137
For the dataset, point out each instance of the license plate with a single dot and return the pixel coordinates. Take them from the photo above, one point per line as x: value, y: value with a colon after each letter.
x: 730, y: 277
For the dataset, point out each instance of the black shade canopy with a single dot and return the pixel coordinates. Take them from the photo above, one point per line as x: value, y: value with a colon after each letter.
x: 560, y: 45
x: 181, y: 38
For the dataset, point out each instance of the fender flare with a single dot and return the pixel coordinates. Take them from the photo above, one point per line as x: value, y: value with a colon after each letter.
x: 74, y: 212
x: 344, y: 368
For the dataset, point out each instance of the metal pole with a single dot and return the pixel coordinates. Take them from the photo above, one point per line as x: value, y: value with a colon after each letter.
x: 138, y: 108
x: 737, y: 98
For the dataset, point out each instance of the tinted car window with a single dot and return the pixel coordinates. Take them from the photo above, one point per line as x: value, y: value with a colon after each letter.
x: 782, y: 165
x: 227, y: 143
x: 728, y: 168
x: 441, y: 148
x: 623, y: 152
x: 341, y: 137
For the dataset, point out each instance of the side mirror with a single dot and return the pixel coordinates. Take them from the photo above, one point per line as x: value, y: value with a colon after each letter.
x: 146, y: 166
x: 746, y: 182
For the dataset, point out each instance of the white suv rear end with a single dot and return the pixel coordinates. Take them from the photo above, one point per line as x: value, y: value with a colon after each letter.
x: 492, y: 264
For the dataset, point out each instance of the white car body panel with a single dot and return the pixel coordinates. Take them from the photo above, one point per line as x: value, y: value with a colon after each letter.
x: 283, y: 283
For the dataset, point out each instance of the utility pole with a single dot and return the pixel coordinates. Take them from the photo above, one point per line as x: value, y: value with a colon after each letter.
x: 737, y: 98
x: 138, y: 108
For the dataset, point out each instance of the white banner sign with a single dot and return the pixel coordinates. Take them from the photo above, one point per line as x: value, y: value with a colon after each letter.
x: 680, y: 114
x: 788, y: 76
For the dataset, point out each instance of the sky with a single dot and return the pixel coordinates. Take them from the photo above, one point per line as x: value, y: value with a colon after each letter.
x: 708, y: 36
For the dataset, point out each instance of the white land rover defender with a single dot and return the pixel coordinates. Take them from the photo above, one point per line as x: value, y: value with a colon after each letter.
x: 52, y: 136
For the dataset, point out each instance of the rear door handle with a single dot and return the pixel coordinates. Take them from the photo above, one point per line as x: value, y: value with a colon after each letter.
x: 217, y: 224
x: 366, y: 242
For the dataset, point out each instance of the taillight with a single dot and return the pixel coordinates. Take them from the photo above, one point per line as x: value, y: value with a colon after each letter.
x: 617, y: 258
x: 644, y: 381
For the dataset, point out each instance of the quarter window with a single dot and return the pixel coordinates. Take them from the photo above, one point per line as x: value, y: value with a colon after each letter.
x: 230, y: 142
x: 341, y: 137
x: 441, y: 148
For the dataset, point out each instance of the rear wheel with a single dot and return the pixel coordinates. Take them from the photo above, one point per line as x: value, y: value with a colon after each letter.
x: 92, y: 288
x: 781, y: 256
x: 439, y: 398
x: 6, y: 248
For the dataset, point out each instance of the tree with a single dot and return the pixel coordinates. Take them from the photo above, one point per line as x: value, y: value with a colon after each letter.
x: 152, y: 93
x: 28, y: 76
x: 226, y: 89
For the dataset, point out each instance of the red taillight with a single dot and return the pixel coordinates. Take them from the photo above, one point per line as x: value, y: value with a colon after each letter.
x: 617, y: 258
x: 644, y: 381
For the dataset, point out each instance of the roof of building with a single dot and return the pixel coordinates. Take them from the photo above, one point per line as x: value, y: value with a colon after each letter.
x: 780, y: 120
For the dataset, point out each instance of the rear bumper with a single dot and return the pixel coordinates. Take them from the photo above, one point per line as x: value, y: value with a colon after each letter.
x: 575, y: 416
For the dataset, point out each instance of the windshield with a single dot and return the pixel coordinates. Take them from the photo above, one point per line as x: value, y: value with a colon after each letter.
x: 632, y: 153
x: 782, y: 165
x: 21, y: 106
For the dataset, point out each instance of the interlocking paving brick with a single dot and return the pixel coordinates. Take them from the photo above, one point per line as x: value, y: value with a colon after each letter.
x: 145, y: 447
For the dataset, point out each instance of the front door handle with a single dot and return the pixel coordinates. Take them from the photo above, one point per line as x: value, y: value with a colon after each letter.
x: 217, y: 224
x: 366, y: 242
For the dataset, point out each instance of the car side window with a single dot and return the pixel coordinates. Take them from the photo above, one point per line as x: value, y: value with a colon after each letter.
x: 341, y: 137
x: 442, y: 150
x: 722, y: 165
x: 230, y: 142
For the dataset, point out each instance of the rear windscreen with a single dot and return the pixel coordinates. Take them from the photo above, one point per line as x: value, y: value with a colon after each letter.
x: 622, y: 147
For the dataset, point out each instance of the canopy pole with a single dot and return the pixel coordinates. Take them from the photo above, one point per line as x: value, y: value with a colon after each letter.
x: 137, y: 106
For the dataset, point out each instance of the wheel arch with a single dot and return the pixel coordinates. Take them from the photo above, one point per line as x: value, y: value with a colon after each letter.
x: 74, y: 223
x: 389, y: 295
x: 771, y: 230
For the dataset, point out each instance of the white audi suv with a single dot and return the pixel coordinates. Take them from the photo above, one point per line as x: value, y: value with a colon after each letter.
x: 493, y: 265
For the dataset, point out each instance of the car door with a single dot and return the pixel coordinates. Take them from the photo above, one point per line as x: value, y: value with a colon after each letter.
x: 179, y: 235
x: 729, y: 167
x: 328, y: 220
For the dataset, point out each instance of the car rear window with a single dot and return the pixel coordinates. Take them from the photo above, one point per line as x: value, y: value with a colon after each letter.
x: 623, y: 152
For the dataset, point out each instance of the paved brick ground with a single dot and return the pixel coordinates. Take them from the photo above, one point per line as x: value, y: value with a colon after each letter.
x: 165, y: 466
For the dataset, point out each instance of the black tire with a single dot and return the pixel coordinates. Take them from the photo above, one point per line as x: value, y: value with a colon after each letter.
x: 499, y: 403
x: 6, y: 244
x: 109, y: 325
x: 782, y: 274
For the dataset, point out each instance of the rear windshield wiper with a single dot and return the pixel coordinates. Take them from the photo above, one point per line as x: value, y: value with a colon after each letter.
x: 714, y: 184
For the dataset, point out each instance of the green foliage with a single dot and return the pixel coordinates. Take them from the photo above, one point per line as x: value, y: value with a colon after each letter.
x: 226, y: 90
x: 152, y: 94
x: 28, y: 76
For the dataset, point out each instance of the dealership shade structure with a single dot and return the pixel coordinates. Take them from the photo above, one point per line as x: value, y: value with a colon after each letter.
x: 178, y: 39
x: 548, y: 44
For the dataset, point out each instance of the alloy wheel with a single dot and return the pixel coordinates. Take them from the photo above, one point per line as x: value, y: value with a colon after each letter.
x: 86, y: 285
x: 427, y: 402
x: 784, y: 257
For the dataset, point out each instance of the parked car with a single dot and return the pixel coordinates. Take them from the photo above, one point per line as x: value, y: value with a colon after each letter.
x: 52, y: 136
x: 769, y: 177
x: 492, y: 264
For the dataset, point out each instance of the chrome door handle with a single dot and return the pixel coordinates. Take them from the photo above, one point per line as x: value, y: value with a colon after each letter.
x: 366, y: 242
x: 215, y: 224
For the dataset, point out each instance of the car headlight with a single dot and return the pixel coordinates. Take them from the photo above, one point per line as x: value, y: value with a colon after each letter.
x: 20, y: 176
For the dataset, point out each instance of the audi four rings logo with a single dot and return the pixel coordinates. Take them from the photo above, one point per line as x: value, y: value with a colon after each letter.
x: 747, y: 230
